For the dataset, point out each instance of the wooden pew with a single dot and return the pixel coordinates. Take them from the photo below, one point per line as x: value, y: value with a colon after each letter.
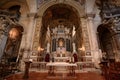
x: 114, y: 71
x: 110, y: 70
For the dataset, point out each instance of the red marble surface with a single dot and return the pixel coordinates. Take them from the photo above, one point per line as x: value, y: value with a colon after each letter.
x: 44, y: 76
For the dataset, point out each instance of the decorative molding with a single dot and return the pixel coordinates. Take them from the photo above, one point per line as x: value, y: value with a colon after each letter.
x: 91, y: 15
x: 109, y: 9
x: 37, y: 35
x: 31, y: 15
x: 85, y: 34
x: 12, y: 17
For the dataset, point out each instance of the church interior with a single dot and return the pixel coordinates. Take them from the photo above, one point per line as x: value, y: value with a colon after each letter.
x: 59, y: 39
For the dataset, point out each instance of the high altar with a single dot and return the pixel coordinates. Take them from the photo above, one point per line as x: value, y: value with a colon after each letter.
x: 62, y: 45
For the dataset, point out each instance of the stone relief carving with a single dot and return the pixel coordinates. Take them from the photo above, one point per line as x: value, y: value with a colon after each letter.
x: 85, y: 34
x: 4, y: 27
x: 37, y: 35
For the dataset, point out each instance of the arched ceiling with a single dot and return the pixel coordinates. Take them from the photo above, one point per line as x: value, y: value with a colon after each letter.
x: 115, y: 2
x: 5, y: 4
x: 60, y: 14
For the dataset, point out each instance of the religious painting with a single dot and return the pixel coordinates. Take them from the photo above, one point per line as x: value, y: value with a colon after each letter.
x: 61, y: 42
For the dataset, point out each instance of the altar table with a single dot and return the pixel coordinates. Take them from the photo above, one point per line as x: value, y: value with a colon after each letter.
x: 70, y: 67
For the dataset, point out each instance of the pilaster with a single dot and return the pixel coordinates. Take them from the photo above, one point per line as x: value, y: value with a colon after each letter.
x: 27, y: 38
x: 37, y: 34
x: 30, y: 29
x: 116, y: 38
x: 86, y: 42
x: 95, y: 52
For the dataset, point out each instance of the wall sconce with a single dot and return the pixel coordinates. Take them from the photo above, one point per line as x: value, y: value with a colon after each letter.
x: 40, y: 49
x: 81, y: 49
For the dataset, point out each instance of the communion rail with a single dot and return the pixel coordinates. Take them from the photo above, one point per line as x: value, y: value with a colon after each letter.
x: 41, y: 66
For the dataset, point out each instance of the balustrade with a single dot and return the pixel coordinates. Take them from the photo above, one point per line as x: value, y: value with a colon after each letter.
x: 39, y: 66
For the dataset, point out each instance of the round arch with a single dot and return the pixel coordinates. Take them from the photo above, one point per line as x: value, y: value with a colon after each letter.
x: 24, y: 8
x: 74, y: 4
x: 78, y: 9
x: 107, y: 41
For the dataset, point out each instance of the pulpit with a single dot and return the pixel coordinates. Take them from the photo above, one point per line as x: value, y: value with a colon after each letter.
x: 27, y: 66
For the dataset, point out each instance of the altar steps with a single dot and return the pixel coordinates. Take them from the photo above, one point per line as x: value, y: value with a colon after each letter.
x: 61, y: 76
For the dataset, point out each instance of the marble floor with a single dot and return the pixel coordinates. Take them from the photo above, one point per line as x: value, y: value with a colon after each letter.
x: 60, y: 76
